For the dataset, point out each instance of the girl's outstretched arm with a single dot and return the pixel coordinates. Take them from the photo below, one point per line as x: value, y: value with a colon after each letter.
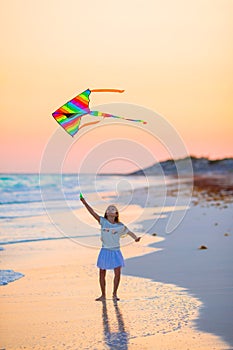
x: 131, y: 234
x: 89, y: 208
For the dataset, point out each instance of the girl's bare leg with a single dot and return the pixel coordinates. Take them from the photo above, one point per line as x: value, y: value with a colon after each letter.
x: 102, y: 274
x: 117, y: 277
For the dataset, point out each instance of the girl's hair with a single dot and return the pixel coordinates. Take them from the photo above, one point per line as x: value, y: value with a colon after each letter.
x: 116, y: 218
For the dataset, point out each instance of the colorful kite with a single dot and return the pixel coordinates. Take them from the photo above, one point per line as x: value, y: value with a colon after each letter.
x: 69, y: 115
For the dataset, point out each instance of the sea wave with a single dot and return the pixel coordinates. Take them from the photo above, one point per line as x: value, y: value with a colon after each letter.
x: 23, y: 195
x: 28, y: 240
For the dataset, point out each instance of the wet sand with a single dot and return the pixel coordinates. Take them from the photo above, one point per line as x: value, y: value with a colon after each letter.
x: 54, y: 307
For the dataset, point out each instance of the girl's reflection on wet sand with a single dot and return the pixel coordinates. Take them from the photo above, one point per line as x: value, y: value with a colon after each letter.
x: 116, y: 339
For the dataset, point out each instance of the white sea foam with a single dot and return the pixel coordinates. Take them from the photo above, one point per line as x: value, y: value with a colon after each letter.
x: 7, y: 276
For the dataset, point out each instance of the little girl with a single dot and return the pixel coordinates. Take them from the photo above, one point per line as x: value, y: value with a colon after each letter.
x: 110, y: 257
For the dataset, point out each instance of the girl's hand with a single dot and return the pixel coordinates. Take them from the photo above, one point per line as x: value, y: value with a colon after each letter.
x: 81, y: 198
x: 137, y: 239
x: 83, y: 201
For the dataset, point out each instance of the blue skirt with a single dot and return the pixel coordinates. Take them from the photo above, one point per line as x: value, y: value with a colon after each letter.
x: 110, y: 259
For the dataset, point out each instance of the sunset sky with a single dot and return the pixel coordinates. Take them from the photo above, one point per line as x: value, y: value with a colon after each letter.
x: 171, y: 56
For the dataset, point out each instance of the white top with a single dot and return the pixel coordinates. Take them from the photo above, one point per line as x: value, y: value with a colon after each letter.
x: 111, y: 233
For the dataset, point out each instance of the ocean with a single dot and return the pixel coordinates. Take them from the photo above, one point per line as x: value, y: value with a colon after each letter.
x: 25, y: 198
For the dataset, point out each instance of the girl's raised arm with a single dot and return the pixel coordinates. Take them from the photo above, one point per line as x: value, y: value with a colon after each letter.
x: 89, y: 208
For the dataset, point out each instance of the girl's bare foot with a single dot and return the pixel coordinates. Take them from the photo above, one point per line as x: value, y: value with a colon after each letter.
x: 102, y: 298
x: 115, y: 297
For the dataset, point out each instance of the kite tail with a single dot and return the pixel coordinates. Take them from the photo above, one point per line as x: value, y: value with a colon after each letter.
x: 106, y: 115
x: 90, y: 123
x: 107, y: 90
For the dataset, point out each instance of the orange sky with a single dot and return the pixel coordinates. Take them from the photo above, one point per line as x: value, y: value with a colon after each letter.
x: 172, y: 56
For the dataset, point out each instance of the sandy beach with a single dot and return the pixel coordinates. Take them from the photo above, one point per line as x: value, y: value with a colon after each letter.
x: 128, y: 103
x: 173, y: 295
